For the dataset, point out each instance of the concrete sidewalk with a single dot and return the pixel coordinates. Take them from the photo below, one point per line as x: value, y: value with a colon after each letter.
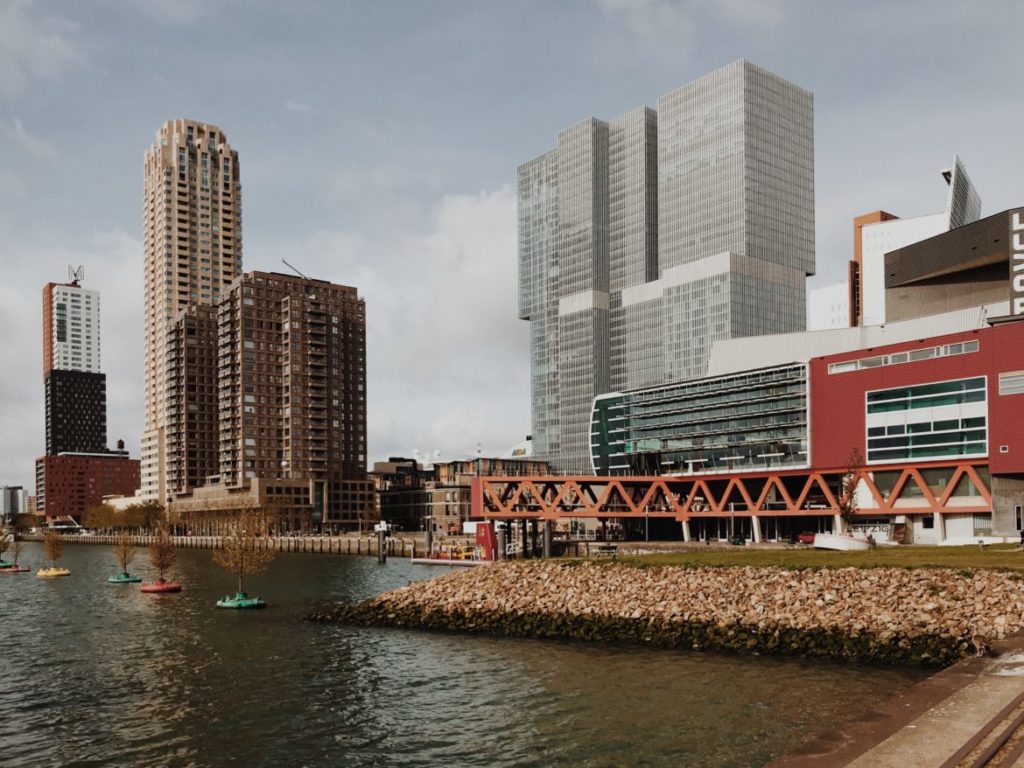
x: 938, y: 722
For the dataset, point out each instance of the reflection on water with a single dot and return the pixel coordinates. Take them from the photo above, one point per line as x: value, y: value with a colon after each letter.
x: 98, y: 674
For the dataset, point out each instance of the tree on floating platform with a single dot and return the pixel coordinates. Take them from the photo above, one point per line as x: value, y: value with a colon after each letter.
x: 5, y: 542
x: 53, y: 546
x: 124, y: 550
x: 17, y: 546
x: 161, y: 551
x: 240, y: 552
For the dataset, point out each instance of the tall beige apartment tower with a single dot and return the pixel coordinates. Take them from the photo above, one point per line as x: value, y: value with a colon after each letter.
x: 192, y: 243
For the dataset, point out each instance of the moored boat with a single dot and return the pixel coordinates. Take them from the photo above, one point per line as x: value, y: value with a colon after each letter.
x: 841, y: 542
x: 52, y: 573
x: 240, y: 600
x: 448, y: 562
x: 160, y: 586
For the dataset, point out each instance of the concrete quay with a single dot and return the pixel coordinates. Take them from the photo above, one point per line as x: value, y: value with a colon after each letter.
x: 406, y: 546
x: 970, y: 715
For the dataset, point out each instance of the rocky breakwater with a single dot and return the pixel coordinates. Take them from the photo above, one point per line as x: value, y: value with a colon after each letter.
x: 924, y: 616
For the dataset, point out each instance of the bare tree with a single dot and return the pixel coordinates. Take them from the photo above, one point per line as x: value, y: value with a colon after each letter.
x: 161, y: 551
x: 848, y: 506
x: 100, y: 517
x: 124, y: 550
x: 27, y: 522
x: 5, y: 541
x: 240, y: 553
x: 16, y: 549
x: 53, y: 545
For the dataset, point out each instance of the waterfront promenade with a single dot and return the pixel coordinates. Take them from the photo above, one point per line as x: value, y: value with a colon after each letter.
x: 970, y: 715
x: 406, y: 546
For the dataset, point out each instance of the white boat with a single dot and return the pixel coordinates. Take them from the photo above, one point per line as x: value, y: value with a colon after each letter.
x: 840, y: 541
x: 447, y: 561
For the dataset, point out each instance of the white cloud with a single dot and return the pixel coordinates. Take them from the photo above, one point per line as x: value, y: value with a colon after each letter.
x: 12, y: 185
x: 447, y: 360
x: 654, y: 20
x: 15, y: 132
x: 752, y: 12
x: 171, y: 11
x: 675, y: 22
x: 31, y: 48
x: 300, y: 107
x: 113, y: 262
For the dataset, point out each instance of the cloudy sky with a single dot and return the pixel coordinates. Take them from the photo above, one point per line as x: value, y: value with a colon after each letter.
x: 379, y: 141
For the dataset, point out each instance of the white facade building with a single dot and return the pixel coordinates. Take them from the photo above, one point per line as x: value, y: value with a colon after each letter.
x: 828, y: 307
x: 75, y: 328
x: 963, y: 205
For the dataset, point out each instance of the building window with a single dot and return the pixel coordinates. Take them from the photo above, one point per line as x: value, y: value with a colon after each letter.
x: 1017, y: 510
x: 1011, y: 383
x: 937, y: 420
x: 910, y: 356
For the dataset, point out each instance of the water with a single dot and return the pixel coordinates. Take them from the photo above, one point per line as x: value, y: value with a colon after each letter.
x: 94, y: 674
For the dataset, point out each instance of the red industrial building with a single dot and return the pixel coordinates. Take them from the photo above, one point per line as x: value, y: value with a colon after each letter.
x: 762, y: 454
x: 76, y: 481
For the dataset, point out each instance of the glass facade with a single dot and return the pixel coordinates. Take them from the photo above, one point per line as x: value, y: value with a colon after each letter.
x: 644, y: 240
x: 938, y: 420
x: 753, y: 420
x: 538, y: 295
x: 635, y: 321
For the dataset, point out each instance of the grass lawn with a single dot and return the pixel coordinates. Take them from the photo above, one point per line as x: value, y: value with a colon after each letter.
x: 971, y: 557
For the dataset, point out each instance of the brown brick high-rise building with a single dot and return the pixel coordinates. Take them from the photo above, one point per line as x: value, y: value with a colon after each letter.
x: 255, y: 384
x: 192, y: 244
x: 286, y: 396
x: 191, y: 428
x: 293, y: 390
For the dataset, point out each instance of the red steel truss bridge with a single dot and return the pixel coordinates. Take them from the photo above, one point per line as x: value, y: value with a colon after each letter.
x: 882, y: 490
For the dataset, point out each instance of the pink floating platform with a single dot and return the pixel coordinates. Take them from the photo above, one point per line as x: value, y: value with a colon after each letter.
x: 161, y: 586
x: 15, y: 569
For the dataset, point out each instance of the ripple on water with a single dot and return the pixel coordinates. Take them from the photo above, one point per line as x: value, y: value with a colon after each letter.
x: 95, y: 674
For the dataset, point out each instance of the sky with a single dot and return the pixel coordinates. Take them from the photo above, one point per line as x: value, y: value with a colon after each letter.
x: 378, y: 144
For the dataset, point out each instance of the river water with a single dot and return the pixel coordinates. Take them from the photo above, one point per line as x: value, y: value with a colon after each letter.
x: 94, y: 674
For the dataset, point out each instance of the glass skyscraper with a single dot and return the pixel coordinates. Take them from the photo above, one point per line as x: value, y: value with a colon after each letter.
x: 644, y: 239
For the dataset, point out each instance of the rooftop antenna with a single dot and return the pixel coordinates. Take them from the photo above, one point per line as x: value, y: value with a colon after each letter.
x: 76, y: 276
x: 293, y: 269
x: 310, y: 296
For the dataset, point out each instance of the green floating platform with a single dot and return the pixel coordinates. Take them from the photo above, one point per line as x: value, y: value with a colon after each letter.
x: 240, y: 600
x: 124, y: 578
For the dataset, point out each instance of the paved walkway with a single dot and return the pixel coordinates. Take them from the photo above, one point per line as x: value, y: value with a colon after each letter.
x: 971, y: 714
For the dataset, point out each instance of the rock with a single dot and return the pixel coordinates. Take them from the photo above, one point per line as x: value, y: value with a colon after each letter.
x: 891, y: 615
